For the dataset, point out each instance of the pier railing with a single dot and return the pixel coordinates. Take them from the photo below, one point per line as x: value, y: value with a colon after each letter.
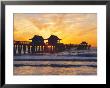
x: 26, y: 47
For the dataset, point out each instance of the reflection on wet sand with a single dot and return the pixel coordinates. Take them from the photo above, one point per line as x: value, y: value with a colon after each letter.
x: 75, y: 68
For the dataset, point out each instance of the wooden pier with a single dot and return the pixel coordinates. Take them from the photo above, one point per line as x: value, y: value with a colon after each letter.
x: 52, y: 46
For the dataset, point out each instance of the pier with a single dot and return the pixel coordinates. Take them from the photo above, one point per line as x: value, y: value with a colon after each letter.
x: 37, y: 45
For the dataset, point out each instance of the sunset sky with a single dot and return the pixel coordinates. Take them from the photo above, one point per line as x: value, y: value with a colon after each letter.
x: 71, y: 28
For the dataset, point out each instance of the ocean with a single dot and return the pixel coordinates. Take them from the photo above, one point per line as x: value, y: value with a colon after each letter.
x: 83, y: 62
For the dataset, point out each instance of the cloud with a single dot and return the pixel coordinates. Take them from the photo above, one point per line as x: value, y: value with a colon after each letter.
x: 71, y: 27
x: 87, y: 31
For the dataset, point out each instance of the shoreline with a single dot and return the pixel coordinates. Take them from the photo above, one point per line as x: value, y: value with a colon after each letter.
x: 53, y: 58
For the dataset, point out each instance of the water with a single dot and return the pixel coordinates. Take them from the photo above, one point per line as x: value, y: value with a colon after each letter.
x: 52, y: 68
x: 64, y: 63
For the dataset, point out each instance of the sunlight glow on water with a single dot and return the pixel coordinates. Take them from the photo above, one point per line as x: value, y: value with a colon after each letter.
x: 35, y: 64
x: 37, y: 70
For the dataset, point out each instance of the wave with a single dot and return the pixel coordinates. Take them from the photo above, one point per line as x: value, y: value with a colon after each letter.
x: 54, y: 65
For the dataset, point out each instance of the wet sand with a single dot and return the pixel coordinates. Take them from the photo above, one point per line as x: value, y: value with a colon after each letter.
x: 55, y: 68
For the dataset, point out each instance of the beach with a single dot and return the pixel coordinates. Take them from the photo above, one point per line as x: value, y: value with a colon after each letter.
x: 55, y: 68
x: 74, y: 62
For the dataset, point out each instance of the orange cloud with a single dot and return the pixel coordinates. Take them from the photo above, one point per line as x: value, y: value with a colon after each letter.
x: 71, y: 28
